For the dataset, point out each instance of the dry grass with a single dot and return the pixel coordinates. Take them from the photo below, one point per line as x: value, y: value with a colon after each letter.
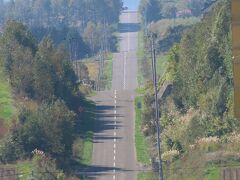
x: 93, y: 68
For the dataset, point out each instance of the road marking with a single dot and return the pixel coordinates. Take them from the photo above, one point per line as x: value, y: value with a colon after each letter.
x: 115, y: 92
x: 115, y: 140
x: 114, y: 146
x: 114, y: 151
x: 114, y: 164
x: 114, y: 177
x: 114, y: 158
x: 115, y: 133
x: 115, y: 97
x: 115, y: 127
x: 115, y: 101
x: 115, y: 112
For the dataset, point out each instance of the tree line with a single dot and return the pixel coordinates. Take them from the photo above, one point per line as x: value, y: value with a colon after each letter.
x: 154, y: 10
x: 42, y: 74
x: 67, y: 22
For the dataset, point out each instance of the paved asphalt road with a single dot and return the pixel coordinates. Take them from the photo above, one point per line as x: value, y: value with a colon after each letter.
x: 114, y: 154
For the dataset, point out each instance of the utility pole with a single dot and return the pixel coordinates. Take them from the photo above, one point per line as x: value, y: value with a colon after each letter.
x: 157, y: 123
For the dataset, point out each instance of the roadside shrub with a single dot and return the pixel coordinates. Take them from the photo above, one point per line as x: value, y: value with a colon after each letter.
x: 209, y: 144
x: 10, y: 151
x: 171, y: 155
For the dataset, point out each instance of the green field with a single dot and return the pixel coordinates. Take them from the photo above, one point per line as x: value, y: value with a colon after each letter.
x: 140, y: 142
x: 162, y: 61
x: 108, y: 71
x: 7, y: 109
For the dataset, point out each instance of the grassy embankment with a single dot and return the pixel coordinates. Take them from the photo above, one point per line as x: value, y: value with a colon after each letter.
x: 107, y: 75
x: 7, y: 109
x: 93, y: 68
x: 143, y: 156
x: 144, y: 73
x: 140, y: 56
x: 146, y: 176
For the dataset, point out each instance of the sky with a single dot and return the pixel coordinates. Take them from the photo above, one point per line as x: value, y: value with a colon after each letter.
x: 131, y: 4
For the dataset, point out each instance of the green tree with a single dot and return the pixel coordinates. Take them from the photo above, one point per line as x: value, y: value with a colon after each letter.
x: 150, y: 10
x: 50, y: 129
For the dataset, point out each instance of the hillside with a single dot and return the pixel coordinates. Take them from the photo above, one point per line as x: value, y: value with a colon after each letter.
x: 45, y: 121
x: 199, y: 132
